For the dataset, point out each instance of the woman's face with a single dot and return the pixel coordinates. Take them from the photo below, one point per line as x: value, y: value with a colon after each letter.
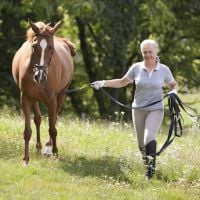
x: 149, y: 53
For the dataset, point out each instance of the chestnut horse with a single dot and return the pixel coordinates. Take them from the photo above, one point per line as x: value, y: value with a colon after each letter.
x: 42, y: 68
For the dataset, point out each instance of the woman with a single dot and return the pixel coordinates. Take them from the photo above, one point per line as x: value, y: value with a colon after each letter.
x: 149, y: 76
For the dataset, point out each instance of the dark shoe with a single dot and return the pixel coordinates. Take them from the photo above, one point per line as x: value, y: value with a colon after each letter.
x: 150, y: 159
x: 150, y: 170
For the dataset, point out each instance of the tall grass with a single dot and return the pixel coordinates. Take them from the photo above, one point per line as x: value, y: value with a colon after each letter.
x: 97, y: 160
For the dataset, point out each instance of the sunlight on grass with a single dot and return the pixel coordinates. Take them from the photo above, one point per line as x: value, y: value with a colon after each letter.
x: 97, y: 160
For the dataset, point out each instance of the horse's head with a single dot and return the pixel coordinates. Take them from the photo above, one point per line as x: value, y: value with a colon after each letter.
x: 42, y: 48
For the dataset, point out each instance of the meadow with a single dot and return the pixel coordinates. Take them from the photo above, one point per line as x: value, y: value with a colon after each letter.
x: 97, y: 160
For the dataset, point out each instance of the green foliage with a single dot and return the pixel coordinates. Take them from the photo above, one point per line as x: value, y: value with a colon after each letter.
x: 107, y: 35
x: 105, y: 32
x: 113, y: 31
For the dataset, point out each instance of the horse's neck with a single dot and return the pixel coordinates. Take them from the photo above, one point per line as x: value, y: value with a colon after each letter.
x: 69, y: 46
x: 27, y: 50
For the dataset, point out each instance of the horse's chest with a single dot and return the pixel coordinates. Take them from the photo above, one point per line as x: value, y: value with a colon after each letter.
x: 33, y: 91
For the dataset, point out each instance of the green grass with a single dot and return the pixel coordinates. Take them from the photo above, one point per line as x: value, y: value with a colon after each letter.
x: 97, y: 160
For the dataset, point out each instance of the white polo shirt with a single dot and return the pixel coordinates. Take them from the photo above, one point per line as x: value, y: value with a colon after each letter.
x: 149, y: 86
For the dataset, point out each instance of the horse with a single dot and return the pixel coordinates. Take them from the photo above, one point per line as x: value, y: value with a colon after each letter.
x: 42, y: 68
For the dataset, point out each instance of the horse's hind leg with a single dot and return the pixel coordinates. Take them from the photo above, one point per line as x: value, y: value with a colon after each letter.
x: 51, y: 144
x: 26, y: 107
x: 37, y: 120
x: 60, y: 102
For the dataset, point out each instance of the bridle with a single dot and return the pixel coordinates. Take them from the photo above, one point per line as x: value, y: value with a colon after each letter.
x: 37, y: 67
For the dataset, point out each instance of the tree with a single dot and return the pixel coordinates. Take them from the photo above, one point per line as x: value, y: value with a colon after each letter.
x: 107, y: 35
x: 106, y: 32
x: 110, y: 33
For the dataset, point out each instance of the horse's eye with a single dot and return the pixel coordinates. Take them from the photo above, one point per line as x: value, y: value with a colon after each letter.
x: 35, y: 39
x: 34, y: 42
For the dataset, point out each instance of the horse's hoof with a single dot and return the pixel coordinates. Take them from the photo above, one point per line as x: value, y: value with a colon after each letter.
x: 47, y: 151
x: 38, y: 147
x: 25, y: 163
x: 39, y: 151
x: 55, y: 155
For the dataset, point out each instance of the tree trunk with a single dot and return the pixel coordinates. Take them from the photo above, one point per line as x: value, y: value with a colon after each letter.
x: 89, y: 64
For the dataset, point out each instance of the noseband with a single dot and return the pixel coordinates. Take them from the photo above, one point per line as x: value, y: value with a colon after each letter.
x: 37, y: 67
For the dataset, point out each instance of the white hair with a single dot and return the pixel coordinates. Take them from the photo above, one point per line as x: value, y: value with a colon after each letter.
x: 149, y: 41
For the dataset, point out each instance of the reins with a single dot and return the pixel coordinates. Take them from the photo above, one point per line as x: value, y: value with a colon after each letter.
x: 174, y: 103
x: 68, y: 91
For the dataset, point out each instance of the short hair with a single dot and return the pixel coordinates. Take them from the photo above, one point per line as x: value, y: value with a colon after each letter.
x: 149, y: 41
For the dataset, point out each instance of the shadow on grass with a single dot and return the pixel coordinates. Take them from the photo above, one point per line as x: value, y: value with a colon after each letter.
x: 120, y: 169
x: 103, y: 167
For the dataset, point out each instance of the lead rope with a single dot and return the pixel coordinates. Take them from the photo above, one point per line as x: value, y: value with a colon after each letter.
x: 174, y: 104
x: 68, y: 91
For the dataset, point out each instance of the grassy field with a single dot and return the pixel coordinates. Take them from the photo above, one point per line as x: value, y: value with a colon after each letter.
x: 97, y: 160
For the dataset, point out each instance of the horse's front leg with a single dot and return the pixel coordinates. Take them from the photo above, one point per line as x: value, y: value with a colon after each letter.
x: 26, y: 107
x: 52, y: 108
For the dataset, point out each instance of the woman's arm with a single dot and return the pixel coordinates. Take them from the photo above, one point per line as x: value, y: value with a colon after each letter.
x: 113, y: 83
x: 117, y: 83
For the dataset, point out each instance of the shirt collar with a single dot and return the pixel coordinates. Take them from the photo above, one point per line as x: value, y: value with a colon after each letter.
x: 156, y: 68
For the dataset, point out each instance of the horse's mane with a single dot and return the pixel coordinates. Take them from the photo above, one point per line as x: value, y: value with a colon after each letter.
x: 44, y: 29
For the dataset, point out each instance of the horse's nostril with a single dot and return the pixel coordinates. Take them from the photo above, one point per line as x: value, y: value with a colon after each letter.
x: 43, y: 79
x: 36, y: 77
x: 40, y: 77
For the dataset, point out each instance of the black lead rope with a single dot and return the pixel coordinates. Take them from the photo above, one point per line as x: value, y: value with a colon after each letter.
x: 68, y: 91
x: 175, y: 117
x: 128, y: 106
x: 176, y: 127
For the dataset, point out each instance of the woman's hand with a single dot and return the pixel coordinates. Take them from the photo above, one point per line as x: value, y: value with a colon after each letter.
x: 98, y: 84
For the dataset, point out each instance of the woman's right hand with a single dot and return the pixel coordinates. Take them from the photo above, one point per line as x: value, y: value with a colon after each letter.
x: 98, y: 84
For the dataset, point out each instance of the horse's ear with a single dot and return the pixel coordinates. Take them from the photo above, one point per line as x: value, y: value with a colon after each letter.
x: 56, y: 27
x: 33, y: 26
